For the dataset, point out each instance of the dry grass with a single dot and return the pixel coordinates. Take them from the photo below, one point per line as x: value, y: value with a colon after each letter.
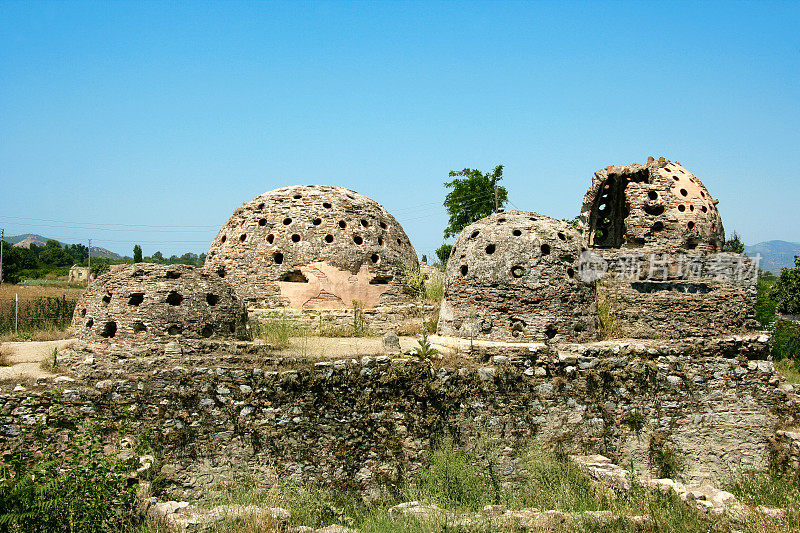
x: 789, y: 369
x: 7, y: 292
x: 49, y: 334
x: 5, y: 355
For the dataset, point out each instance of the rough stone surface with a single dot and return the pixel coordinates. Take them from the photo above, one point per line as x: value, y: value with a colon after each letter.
x: 659, y: 204
x: 313, y: 247
x: 146, y: 302
x: 513, y: 276
x: 391, y: 342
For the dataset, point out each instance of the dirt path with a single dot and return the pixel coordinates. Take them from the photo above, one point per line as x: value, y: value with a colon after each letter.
x: 26, y: 356
x: 340, y: 347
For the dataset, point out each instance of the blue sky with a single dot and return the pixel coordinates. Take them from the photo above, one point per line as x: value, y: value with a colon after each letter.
x: 151, y: 122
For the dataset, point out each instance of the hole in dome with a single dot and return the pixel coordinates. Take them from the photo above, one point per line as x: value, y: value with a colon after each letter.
x: 517, y: 271
x: 221, y: 271
x: 326, y: 205
x: 658, y: 226
x: 83, y: 312
x: 570, y: 272
x: 295, y: 238
x: 464, y: 270
x: 684, y: 193
x: 681, y: 208
x: 399, y: 242
x: 173, y: 330
x: 704, y: 209
x: 207, y: 331
x: 329, y: 238
x: 109, y: 330
x: 545, y: 248
x: 261, y: 206
x: 212, y: 299
x: 364, y: 223
x: 106, y: 299
x: 654, y: 210
x: 550, y: 331
x: 277, y: 257
x: 382, y: 224
x: 516, y: 233
x: 474, y: 234
x: 136, y: 298
x: 262, y: 222
x: 342, y: 224
x: 691, y: 244
x: 653, y: 195
x: 89, y: 323
x: 690, y: 225
x: 380, y: 241
x: 499, y: 220
x: 139, y: 327
x: 270, y: 238
x: 287, y: 221
x: 242, y: 237
x: 676, y: 178
x: 317, y: 221
x: 357, y: 239
x: 562, y: 236
x: 294, y: 276
x: 381, y: 280
x: 374, y: 258
x: 174, y: 298
x: 490, y: 249
x: 713, y: 227
x: 691, y: 208
x: 232, y: 327
x: 603, y: 207
x: 223, y: 239
x: 297, y: 196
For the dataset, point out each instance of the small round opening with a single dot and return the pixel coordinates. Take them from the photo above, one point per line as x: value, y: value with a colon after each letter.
x: 690, y: 225
x: 658, y: 226
x: 326, y: 205
x: 474, y: 234
x: 562, y: 236
x: 223, y: 239
x: 364, y: 223
x: 295, y: 238
x: 399, y: 242
x: 83, y: 312
x: 173, y: 330
x: 358, y: 240
x: 261, y: 206
x: 277, y: 257
x: 297, y: 196
x: 174, y: 298
x: 287, y: 221
x: 90, y: 323
x: 342, y: 224
x: 684, y: 192
x: 545, y: 248
x: 490, y: 249
x: 106, y: 299
x: 270, y: 238
x: 691, y: 208
x: 139, y: 327
x: 317, y: 221
x: 109, y: 330
x: 262, y: 222
x: 207, y: 331
x: 136, y: 298
x: 243, y: 237
x: 329, y: 238
x: 464, y: 270
x: 681, y: 208
x: 380, y: 241
x: 550, y: 331
x: 212, y: 299
x: 653, y: 195
x: 516, y: 233
x: 676, y: 178
x: 383, y: 225
x: 501, y: 220
x: 374, y: 258
x: 704, y: 209
x: 570, y: 272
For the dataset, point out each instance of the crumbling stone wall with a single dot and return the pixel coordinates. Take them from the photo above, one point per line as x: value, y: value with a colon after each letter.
x: 717, y: 401
x: 150, y: 303
x: 657, y: 205
x: 313, y: 247
x: 514, y: 276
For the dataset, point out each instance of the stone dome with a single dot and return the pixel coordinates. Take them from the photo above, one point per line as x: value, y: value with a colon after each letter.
x: 145, y: 302
x: 659, y: 204
x: 313, y: 247
x: 514, y: 276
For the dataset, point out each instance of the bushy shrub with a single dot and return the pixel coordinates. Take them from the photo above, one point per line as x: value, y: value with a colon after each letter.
x: 64, y: 482
x: 786, y: 291
x: 786, y: 340
x: 454, y: 479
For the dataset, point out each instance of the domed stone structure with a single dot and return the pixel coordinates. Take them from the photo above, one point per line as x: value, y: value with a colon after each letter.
x: 514, y: 276
x: 146, y: 302
x: 658, y: 204
x: 313, y: 247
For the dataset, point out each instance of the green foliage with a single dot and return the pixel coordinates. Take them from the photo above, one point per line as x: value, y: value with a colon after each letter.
x: 572, y: 221
x: 609, y: 325
x: 137, y: 253
x: 734, y: 244
x: 635, y: 420
x: 425, y: 350
x: 277, y: 331
x: 64, y: 483
x: 770, y: 488
x: 42, y: 313
x: 766, y: 306
x: 665, y: 459
x: 15, y: 260
x: 786, y: 341
x: 786, y: 291
x: 360, y: 326
x: 472, y: 197
x: 453, y: 479
x: 443, y: 253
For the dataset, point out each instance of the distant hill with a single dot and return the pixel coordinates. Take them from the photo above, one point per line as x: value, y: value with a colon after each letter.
x: 774, y: 254
x: 27, y: 239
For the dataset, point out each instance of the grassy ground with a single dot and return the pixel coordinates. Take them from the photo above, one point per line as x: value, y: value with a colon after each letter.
x: 42, y: 312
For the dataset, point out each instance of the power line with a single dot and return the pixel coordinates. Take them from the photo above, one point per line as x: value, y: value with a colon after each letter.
x: 106, y: 224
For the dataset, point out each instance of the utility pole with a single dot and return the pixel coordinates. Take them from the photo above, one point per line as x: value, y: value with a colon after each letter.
x: 2, y: 231
x: 89, y: 273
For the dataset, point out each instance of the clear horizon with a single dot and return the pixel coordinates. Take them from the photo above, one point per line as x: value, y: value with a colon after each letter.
x: 150, y: 123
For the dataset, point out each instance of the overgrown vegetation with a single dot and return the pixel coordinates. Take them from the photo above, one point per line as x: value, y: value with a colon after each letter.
x: 64, y: 482
x: 277, y: 332
x: 38, y: 314
x: 786, y: 290
x: 772, y: 489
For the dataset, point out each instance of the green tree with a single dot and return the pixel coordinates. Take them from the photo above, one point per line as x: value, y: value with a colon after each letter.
x: 158, y: 257
x: 443, y: 253
x: 472, y: 197
x: 53, y: 255
x: 734, y: 244
x: 137, y: 253
x: 786, y: 291
x: 16, y: 259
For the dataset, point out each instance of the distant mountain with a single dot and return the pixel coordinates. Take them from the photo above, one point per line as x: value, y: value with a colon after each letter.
x: 774, y: 254
x: 27, y: 239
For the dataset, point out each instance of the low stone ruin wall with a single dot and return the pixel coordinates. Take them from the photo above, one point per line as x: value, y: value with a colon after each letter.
x: 366, y: 422
x: 402, y: 317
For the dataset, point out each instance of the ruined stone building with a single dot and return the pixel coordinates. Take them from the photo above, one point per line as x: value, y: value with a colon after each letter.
x: 313, y: 247
x: 514, y: 276
x: 146, y: 302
